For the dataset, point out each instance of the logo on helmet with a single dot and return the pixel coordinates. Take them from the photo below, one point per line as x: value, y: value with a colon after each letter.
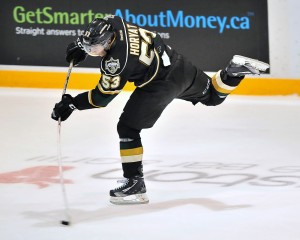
x: 112, y: 65
x: 87, y: 34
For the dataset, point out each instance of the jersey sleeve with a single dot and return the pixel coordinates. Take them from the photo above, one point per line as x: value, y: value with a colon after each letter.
x: 106, y: 90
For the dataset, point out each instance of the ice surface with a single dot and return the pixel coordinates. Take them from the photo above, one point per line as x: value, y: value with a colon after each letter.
x: 225, y: 172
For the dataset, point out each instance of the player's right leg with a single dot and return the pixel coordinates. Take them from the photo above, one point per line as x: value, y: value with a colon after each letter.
x: 241, y: 66
x: 226, y: 80
x: 213, y: 91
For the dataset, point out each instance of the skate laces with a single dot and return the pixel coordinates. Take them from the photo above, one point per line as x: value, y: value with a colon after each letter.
x: 123, y: 181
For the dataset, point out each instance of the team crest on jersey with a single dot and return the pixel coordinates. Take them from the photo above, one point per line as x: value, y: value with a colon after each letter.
x: 112, y: 65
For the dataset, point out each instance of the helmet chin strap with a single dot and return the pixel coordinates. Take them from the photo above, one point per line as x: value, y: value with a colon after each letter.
x: 112, y: 43
x: 98, y: 55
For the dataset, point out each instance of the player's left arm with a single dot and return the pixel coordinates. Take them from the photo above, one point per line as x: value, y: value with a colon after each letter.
x: 105, y: 91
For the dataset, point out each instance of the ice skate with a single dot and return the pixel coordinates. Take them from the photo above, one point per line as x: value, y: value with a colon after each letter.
x: 133, y: 191
x: 241, y: 66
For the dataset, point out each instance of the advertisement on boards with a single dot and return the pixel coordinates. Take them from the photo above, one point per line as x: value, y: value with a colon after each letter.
x: 209, y: 33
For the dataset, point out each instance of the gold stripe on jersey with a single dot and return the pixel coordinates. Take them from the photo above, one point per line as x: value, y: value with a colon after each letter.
x: 156, y: 71
x: 91, y: 99
x: 107, y: 92
x: 219, y: 85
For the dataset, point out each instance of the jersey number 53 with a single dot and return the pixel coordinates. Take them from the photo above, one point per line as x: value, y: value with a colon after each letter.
x: 110, y: 82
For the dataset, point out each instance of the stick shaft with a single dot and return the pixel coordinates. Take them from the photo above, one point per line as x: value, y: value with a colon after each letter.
x: 59, y: 158
x: 67, y: 78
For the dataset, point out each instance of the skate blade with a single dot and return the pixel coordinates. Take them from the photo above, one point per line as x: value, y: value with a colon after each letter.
x: 131, y: 199
x: 241, y: 60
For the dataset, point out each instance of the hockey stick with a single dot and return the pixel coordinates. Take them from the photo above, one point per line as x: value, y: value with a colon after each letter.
x: 67, y: 219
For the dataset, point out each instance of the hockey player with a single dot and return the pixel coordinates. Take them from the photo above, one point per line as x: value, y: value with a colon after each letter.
x: 160, y: 74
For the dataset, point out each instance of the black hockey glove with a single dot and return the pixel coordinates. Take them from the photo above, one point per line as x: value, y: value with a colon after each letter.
x: 64, y: 108
x: 75, y: 52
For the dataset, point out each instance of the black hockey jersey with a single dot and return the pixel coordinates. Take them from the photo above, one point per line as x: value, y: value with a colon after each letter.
x: 133, y: 57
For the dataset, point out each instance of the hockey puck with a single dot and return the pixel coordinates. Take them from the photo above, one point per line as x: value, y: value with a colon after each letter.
x: 66, y: 223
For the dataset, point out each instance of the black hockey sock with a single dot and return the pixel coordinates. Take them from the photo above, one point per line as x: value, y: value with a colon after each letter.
x: 225, y: 84
x: 132, y: 169
x: 131, y: 151
x: 229, y: 80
